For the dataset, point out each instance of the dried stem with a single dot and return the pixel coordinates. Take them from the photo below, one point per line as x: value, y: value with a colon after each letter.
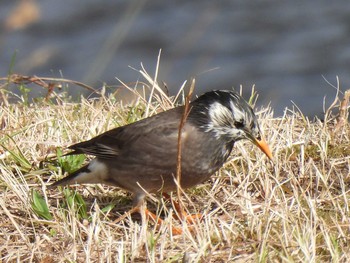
x: 42, y: 82
x: 182, y: 124
x: 343, y: 111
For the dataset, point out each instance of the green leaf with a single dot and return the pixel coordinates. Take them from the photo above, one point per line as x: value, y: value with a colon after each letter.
x: 18, y: 156
x: 75, y: 202
x: 70, y: 163
x: 39, y: 205
x: 107, y: 208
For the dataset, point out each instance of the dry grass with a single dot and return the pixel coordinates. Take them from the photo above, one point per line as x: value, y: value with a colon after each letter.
x: 295, y: 210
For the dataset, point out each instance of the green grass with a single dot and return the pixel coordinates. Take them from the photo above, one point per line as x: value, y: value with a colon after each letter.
x: 293, y: 210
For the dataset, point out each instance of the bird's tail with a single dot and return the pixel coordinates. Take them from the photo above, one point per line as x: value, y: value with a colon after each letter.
x: 76, y: 177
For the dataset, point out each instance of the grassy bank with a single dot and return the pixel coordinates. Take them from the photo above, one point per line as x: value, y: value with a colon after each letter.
x: 293, y: 210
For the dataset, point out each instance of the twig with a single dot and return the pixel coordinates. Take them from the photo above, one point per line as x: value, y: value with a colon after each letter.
x: 327, y: 112
x: 343, y: 111
x: 182, y: 124
x: 42, y: 81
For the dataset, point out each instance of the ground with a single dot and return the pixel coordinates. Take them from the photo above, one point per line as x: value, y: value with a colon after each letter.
x: 294, y: 209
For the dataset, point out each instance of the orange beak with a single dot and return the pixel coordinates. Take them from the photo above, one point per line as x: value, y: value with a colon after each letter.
x: 264, y: 147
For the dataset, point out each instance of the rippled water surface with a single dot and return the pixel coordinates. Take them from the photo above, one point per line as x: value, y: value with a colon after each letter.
x: 285, y: 48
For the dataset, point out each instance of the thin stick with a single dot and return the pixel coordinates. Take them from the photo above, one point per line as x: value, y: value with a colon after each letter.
x: 40, y: 81
x: 182, y: 124
x: 343, y: 111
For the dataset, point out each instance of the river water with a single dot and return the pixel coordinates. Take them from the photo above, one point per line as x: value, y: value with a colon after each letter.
x: 288, y: 49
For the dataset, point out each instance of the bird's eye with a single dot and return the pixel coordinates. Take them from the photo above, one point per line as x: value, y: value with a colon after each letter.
x: 239, y: 124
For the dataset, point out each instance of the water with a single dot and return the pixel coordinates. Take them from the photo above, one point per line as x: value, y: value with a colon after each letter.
x: 285, y: 48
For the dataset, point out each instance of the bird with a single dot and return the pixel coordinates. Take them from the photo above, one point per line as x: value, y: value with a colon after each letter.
x: 141, y: 157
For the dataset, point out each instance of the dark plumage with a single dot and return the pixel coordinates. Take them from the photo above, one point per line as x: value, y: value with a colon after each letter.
x: 144, y: 153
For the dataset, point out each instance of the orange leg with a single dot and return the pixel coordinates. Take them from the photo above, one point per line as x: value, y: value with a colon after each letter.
x: 180, y: 213
x: 158, y: 221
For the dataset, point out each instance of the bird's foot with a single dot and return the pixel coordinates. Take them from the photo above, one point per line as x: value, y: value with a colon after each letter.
x: 156, y: 219
x: 181, y: 215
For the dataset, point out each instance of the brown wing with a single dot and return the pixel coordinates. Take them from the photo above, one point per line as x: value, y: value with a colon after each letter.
x: 153, y: 132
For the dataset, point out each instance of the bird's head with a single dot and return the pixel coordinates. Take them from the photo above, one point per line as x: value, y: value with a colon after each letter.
x: 229, y: 117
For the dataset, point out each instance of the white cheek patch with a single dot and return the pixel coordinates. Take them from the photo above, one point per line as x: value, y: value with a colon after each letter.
x: 238, y: 115
x: 220, y: 115
x: 222, y: 121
